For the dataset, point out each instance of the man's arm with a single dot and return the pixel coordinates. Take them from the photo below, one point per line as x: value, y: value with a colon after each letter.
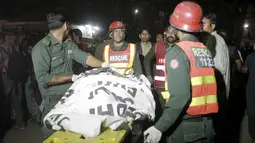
x: 238, y: 65
x: 137, y: 65
x: 222, y: 57
x: 58, y: 80
x: 41, y: 61
x: 84, y: 58
x: 147, y: 62
x: 177, y: 68
x: 245, y: 68
x: 238, y: 60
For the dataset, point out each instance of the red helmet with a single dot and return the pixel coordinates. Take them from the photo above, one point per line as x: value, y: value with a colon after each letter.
x: 187, y: 16
x: 116, y: 25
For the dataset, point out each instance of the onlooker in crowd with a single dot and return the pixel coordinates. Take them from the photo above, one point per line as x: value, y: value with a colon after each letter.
x: 222, y: 72
x: 221, y: 58
x: 18, y: 72
x: 159, y: 37
x: 144, y: 46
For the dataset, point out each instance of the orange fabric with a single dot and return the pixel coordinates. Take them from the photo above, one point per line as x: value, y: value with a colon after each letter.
x: 201, y: 91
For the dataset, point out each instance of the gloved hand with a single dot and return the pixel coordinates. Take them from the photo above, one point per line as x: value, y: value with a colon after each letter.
x: 76, y: 77
x: 152, y: 135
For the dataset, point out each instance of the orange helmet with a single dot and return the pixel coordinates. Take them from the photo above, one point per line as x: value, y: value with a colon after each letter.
x: 187, y: 16
x: 116, y: 25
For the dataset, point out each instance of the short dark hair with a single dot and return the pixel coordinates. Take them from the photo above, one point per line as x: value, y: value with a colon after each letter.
x: 77, y: 32
x: 144, y: 29
x: 160, y: 34
x: 57, y: 19
x: 212, y: 17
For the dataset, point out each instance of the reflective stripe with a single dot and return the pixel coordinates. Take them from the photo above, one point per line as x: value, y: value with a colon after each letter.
x: 166, y: 95
x: 203, y: 100
x: 160, y: 67
x: 202, y: 80
x: 106, y: 53
x: 159, y: 78
x: 166, y: 85
x: 132, y: 55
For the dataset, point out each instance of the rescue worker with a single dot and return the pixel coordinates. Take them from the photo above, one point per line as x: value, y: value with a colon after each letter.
x: 119, y: 53
x: 53, y: 59
x: 159, y: 53
x: 190, y: 82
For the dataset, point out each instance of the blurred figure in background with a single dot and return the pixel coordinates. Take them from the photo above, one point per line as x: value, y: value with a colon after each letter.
x: 33, y: 96
x: 250, y: 92
x: 18, y: 72
x: 159, y: 37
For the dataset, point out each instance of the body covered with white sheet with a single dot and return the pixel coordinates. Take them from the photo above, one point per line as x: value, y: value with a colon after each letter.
x: 103, y: 99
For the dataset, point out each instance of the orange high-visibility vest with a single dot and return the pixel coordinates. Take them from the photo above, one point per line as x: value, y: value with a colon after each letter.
x: 122, y: 60
x: 203, y: 82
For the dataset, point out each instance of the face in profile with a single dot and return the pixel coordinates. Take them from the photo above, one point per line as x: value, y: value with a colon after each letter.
x: 171, y: 36
x: 207, y: 25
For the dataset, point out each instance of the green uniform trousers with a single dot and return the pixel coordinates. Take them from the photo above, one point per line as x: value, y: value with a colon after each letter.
x: 193, y: 130
x: 50, y: 102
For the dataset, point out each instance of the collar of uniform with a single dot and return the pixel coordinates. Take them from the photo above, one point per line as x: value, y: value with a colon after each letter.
x: 54, y: 41
x: 190, y: 38
x: 114, y: 47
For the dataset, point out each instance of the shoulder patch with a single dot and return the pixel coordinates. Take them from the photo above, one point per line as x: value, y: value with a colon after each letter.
x: 174, y: 63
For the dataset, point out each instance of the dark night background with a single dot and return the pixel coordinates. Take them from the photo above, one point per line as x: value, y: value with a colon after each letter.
x: 154, y: 14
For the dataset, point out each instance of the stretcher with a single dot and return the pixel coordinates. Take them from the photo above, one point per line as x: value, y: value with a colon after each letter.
x: 108, y: 136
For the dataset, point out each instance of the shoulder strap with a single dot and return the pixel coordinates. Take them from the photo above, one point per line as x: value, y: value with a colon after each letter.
x: 46, y: 44
x: 132, y: 54
x: 106, y: 53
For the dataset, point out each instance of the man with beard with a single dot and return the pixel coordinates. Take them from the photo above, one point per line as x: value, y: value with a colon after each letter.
x: 119, y: 53
x: 158, y: 53
x: 53, y: 59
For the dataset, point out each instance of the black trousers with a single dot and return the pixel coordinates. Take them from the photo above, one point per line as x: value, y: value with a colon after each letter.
x: 250, y: 98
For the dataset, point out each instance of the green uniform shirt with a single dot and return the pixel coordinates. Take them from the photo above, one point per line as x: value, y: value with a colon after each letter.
x: 148, y: 59
x: 99, y: 54
x: 52, y: 58
x: 179, y: 87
